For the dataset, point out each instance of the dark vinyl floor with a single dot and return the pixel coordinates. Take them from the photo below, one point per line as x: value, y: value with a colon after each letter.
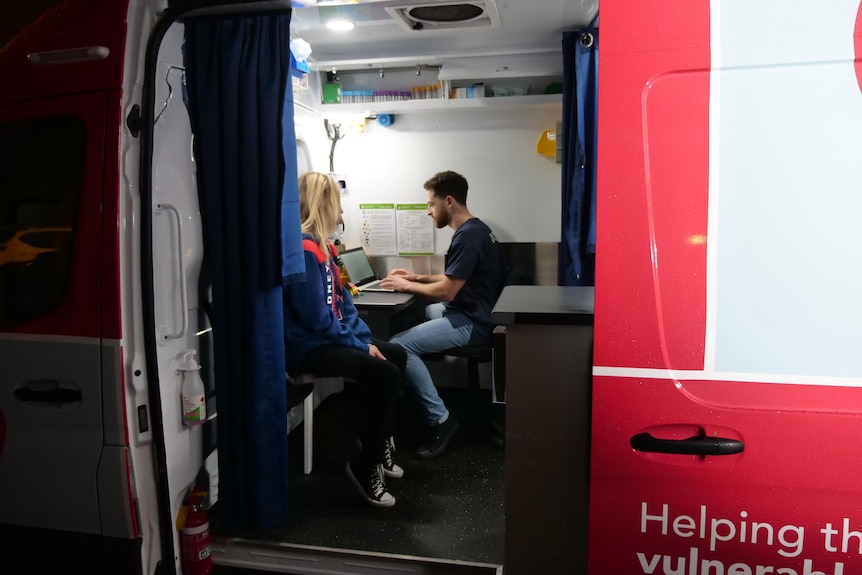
x: 446, y: 508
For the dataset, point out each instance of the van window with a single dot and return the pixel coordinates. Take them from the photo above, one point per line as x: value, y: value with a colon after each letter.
x: 41, y: 171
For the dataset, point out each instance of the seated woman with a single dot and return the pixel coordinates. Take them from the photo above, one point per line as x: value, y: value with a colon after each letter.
x: 324, y: 335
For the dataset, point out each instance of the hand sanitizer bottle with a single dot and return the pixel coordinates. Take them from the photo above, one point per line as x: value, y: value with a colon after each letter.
x: 192, y: 390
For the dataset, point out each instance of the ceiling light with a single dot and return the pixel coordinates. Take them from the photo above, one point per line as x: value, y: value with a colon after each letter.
x: 340, y: 24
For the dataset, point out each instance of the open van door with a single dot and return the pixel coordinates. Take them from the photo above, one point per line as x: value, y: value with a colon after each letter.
x: 64, y: 463
x: 727, y: 407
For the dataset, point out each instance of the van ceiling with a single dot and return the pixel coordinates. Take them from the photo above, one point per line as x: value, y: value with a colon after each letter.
x: 525, y: 27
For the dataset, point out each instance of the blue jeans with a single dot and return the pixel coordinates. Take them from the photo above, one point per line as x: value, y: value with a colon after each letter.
x: 432, y: 336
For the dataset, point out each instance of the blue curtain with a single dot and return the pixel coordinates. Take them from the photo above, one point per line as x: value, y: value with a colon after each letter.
x: 241, y: 106
x: 580, y: 110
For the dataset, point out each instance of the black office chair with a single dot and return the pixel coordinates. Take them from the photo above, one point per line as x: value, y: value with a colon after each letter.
x: 474, y: 354
x: 490, y: 416
x: 478, y: 408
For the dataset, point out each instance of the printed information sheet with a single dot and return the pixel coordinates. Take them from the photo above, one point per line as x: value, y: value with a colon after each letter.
x: 415, y: 230
x: 378, y: 229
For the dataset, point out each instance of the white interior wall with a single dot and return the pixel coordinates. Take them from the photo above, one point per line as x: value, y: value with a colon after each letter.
x: 512, y: 188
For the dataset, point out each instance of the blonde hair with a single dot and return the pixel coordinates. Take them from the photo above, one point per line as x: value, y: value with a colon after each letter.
x: 319, y: 206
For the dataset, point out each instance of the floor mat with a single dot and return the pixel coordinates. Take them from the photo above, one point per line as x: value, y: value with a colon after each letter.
x: 447, y: 508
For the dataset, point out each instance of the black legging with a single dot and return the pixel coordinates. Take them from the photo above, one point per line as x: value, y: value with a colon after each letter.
x: 381, y: 383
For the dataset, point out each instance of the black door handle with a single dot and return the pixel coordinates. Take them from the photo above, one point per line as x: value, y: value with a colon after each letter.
x: 47, y: 391
x: 697, y: 445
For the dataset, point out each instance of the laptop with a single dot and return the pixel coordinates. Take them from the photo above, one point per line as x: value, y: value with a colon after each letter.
x: 359, y: 269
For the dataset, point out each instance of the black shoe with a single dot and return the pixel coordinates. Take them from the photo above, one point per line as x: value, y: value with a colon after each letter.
x: 390, y: 468
x: 369, y: 481
x: 438, y: 439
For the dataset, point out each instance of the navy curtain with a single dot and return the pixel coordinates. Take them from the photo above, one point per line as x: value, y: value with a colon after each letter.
x: 580, y: 110
x: 241, y: 108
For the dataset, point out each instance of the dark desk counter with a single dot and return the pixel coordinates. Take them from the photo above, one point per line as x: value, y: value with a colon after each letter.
x: 549, y: 339
x: 548, y: 305
x: 391, y: 301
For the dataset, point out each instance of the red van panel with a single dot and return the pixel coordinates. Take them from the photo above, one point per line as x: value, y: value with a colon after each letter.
x: 726, y: 397
x: 91, y: 89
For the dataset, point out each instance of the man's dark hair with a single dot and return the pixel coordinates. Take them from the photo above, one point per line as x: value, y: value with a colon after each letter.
x: 448, y: 183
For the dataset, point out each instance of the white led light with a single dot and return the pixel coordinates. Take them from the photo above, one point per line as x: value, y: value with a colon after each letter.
x: 340, y: 24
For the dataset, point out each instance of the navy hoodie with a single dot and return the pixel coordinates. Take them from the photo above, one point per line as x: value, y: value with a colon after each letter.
x: 319, y: 310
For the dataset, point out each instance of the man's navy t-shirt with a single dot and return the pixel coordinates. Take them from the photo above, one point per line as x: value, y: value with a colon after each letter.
x: 475, y: 257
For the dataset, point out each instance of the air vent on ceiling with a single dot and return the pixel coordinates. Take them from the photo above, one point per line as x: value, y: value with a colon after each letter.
x: 438, y: 15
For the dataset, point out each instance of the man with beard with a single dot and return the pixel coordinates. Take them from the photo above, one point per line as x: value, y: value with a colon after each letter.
x: 464, y: 294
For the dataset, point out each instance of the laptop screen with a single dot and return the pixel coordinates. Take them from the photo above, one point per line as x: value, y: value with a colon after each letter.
x: 357, y: 265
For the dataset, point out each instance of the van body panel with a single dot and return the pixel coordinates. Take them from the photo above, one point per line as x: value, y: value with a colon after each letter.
x: 177, y: 258
x: 659, y: 213
x: 725, y: 305
x: 58, y: 403
x: 63, y: 28
x: 79, y: 311
x: 46, y: 436
x: 795, y: 475
x: 65, y: 462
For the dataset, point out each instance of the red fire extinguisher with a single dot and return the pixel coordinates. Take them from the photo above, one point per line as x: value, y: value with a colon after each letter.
x: 196, y: 539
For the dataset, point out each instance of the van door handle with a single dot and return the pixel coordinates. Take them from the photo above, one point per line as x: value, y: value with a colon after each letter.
x: 48, y: 391
x: 184, y: 302
x: 697, y: 445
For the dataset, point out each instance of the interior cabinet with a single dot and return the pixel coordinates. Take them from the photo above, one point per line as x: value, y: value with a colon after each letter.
x: 513, y: 80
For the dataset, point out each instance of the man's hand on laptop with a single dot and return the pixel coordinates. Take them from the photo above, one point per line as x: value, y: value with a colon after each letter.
x: 395, y: 282
x: 401, y: 272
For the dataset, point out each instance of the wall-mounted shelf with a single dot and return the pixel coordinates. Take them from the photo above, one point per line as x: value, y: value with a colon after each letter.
x: 454, y: 78
x: 443, y: 104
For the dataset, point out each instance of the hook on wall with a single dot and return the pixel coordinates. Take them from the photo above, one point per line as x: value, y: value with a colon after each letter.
x: 333, y: 132
x: 381, y: 70
x: 171, y: 88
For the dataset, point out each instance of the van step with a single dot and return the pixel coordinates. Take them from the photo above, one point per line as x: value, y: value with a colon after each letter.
x: 308, y: 560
